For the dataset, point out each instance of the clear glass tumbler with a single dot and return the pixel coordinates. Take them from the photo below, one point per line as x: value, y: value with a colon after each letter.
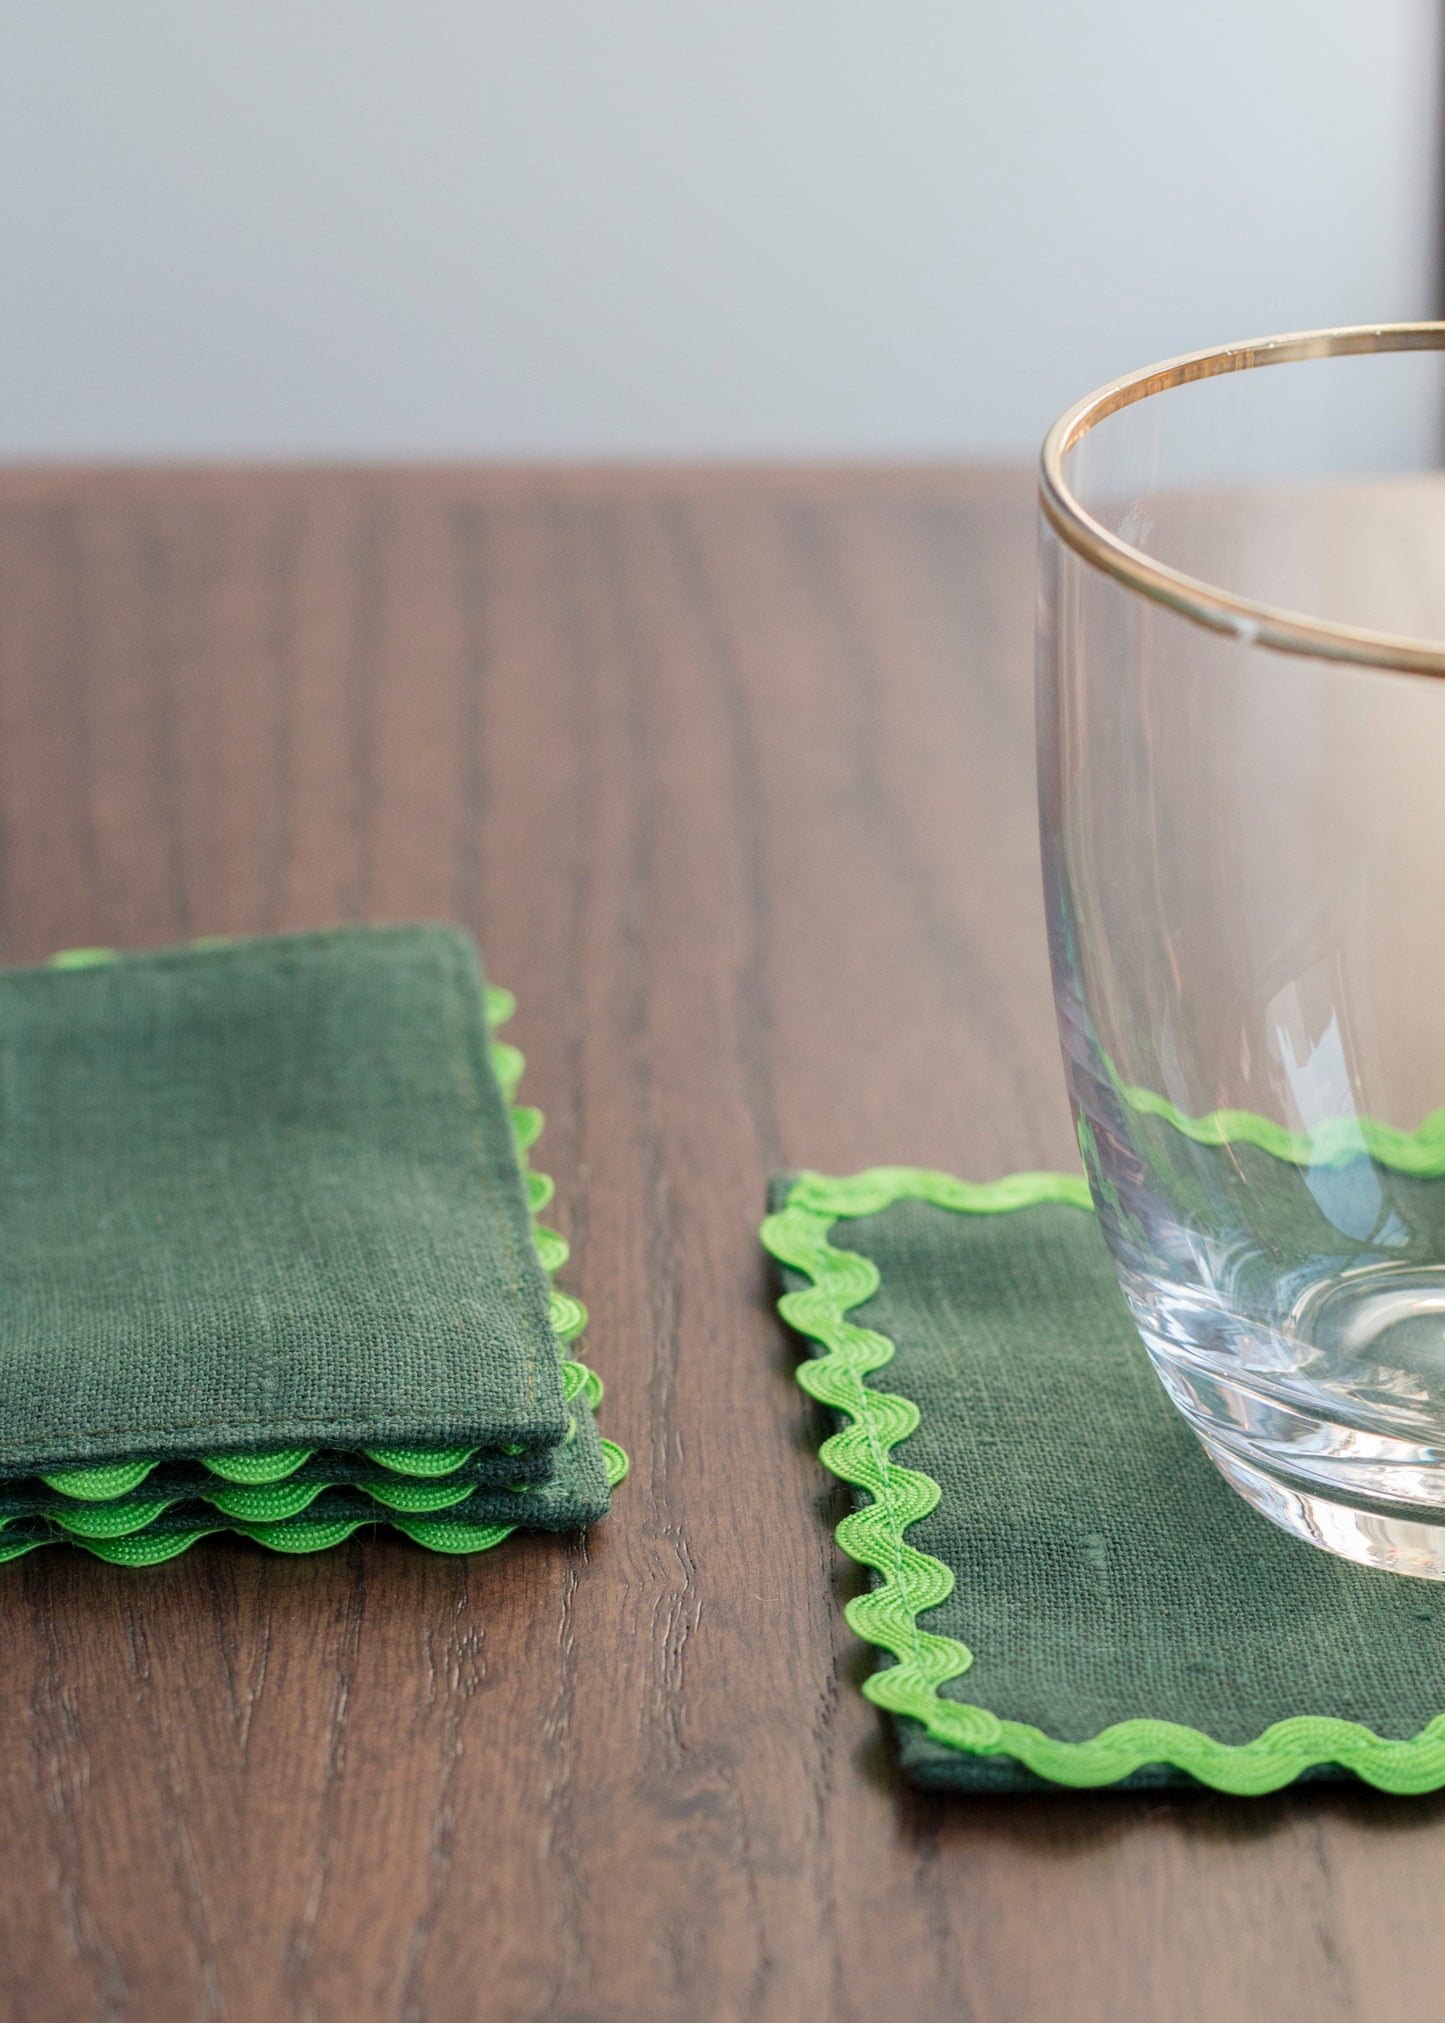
x: 1242, y: 798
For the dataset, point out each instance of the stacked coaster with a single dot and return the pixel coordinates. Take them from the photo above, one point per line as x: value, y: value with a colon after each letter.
x: 1063, y: 1589
x: 270, y: 1262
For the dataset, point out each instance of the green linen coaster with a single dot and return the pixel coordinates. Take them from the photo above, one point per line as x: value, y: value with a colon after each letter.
x: 272, y: 1262
x: 1063, y: 1587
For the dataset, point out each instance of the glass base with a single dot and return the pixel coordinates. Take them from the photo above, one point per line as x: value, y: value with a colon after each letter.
x: 1333, y: 1424
x: 1396, y: 1544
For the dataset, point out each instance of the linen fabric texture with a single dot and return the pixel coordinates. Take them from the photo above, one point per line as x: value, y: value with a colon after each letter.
x: 1103, y: 1570
x: 262, y: 1196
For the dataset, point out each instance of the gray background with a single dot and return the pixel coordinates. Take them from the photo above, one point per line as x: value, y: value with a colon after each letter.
x: 606, y: 228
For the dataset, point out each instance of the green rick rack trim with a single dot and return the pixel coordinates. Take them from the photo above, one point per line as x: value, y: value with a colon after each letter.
x: 912, y: 1582
x: 251, y: 1494
x: 416, y: 1498
x: 419, y: 1461
x: 108, y: 1520
x: 1333, y: 1142
x: 269, y: 1503
x: 99, y: 1485
x: 256, y: 1471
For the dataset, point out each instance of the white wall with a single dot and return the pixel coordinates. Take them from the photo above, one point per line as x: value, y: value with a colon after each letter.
x: 618, y: 227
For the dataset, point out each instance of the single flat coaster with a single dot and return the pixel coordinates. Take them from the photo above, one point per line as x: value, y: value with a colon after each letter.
x: 264, y: 1195
x: 1064, y: 1589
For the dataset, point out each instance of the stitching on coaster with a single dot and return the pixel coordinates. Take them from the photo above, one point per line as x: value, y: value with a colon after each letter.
x: 913, y: 1582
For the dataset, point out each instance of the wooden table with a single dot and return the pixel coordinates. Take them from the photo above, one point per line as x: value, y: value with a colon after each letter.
x: 732, y: 774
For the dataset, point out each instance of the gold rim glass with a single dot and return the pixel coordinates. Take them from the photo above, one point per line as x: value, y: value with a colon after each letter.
x: 1242, y: 805
x: 1205, y: 603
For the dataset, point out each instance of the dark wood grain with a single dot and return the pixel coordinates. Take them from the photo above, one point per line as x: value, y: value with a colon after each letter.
x: 732, y: 775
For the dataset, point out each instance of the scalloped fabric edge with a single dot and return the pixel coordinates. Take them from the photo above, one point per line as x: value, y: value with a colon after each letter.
x: 912, y: 1582
x: 413, y: 1467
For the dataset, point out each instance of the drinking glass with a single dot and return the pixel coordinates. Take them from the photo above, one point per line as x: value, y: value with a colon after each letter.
x: 1242, y: 800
